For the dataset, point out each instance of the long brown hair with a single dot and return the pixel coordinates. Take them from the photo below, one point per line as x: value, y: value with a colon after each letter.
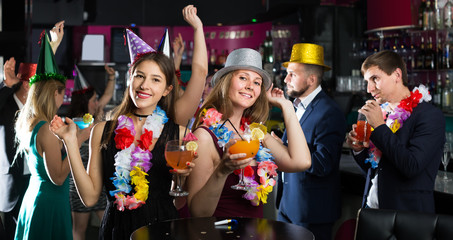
x: 167, y: 103
x: 218, y: 99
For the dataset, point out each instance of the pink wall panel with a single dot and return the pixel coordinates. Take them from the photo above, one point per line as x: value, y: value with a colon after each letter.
x: 391, y: 13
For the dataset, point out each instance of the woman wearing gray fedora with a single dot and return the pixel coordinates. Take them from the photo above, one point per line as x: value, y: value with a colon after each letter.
x: 235, y: 109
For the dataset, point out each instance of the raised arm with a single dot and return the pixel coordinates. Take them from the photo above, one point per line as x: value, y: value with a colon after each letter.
x: 187, y: 104
x: 178, y: 48
x: 88, y: 182
x: 108, y: 92
x: 56, y: 33
x: 296, y: 157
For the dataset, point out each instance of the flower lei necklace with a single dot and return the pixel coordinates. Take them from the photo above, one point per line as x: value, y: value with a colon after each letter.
x: 132, y: 162
x: 266, y: 168
x: 397, y: 117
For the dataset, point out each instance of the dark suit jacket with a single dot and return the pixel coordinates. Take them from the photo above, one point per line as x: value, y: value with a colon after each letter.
x: 410, y: 160
x: 314, y: 196
x: 12, y: 181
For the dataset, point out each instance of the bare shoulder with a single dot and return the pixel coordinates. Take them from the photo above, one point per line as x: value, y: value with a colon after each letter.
x: 203, y: 135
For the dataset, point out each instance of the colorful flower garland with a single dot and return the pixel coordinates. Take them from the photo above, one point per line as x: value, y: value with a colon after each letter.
x: 266, y: 168
x: 133, y: 162
x: 397, y: 117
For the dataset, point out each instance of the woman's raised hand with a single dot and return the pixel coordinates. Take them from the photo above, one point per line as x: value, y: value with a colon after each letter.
x: 190, y: 16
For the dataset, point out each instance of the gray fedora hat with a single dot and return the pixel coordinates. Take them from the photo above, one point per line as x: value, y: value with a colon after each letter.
x: 243, y: 58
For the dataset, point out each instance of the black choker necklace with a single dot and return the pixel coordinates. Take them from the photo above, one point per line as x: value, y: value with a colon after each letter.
x: 141, y: 116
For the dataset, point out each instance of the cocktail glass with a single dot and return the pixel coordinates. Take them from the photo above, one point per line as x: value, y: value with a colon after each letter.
x: 250, y: 148
x: 177, y: 156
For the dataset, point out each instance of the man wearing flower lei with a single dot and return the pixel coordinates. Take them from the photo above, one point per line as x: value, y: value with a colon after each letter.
x: 235, y: 106
x: 127, y: 153
x: 405, y: 148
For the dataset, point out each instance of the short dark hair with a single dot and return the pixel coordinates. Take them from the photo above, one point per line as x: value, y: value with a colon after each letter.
x: 387, y: 61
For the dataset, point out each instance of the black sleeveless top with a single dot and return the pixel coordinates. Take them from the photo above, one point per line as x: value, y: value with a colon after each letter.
x: 159, y: 205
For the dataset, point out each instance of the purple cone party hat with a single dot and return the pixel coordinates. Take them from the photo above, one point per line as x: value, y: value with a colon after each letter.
x: 47, y: 67
x: 136, y: 45
x: 164, y: 45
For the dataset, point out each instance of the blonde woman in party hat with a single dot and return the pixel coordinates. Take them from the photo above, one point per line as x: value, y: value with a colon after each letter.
x: 127, y: 153
x: 45, y: 211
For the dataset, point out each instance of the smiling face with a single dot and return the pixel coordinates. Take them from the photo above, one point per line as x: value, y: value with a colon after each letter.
x: 380, y: 85
x: 148, y: 85
x: 245, y: 88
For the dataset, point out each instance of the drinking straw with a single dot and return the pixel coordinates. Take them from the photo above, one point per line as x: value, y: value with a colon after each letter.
x: 233, y: 128
x: 185, y: 131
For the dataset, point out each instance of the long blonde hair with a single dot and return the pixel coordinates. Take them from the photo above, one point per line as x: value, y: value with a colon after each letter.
x: 40, y: 106
x: 218, y: 99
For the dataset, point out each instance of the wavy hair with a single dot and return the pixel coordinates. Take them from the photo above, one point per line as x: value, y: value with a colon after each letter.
x: 40, y: 106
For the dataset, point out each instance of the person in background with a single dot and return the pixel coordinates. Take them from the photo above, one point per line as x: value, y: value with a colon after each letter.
x: 14, y: 172
x: 85, y: 101
x: 405, y: 149
x: 14, y: 175
x: 45, y: 211
x: 312, y: 198
x: 238, y: 99
x: 127, y: 153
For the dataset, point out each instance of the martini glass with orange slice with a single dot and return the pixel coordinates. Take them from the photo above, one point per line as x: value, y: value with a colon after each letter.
x: 250, y: 146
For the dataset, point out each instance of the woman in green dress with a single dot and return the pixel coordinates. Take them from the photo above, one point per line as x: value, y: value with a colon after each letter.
x: 45, y: 211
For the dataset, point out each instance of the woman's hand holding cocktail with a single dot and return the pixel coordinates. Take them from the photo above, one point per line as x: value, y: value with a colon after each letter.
x: 230, y: 162
x: 186, y: 171
x: 62, y: 130
x: 67, y: 131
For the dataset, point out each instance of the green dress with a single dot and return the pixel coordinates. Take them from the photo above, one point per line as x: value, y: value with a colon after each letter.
x: 45, y: 212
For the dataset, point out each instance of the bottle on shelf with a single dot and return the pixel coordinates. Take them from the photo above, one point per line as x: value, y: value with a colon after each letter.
x: 446, y: 95
x: 428, y: 16
x: 447, y: 57
x: 439, y: 54
x: 213, y: 56
x: 268, y: 48
x: 421, y: 11
x: 420, y: 55
x: 438, y: 19
x: 448, y: 14
x: 437, y: 99
x: 430, y: 55
x: 450, y: 91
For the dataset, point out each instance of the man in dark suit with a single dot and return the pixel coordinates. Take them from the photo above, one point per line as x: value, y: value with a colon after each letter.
x: 407, y: 142
x: 14, y: 173
x: 313, y: 198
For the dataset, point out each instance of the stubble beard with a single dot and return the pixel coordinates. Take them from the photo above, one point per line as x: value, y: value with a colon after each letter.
x: 296, y: 94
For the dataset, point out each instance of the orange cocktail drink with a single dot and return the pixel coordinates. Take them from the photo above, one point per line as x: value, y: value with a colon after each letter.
x: 248, y: 147
x: 363, y: 131
x: 178, y: 159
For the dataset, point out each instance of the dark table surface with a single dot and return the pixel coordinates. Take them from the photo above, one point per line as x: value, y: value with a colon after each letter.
x: 204, y: 228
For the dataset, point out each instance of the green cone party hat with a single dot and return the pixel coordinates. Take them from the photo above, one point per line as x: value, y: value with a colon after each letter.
x: 47, y: 66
